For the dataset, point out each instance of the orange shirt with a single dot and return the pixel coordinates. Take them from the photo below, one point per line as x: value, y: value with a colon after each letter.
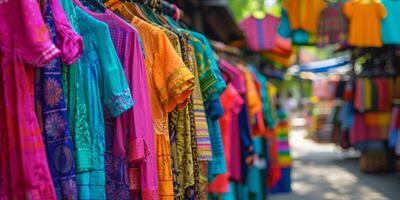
x: 170, y: 84
x: 365, y: 23
x: 304, y: 14
x: 253, y: 99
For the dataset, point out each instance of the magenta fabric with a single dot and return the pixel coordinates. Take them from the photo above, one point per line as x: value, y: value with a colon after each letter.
x: 237, y: 78
x: 24, y: 42
x: 69, y: 42
x: 239, y: 83
x: 260, y: 34
x: 135, y: 125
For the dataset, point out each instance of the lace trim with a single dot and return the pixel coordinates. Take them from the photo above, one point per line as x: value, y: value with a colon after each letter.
x: 47, y: 55
x: 120, y: 103
x: 83, y: 141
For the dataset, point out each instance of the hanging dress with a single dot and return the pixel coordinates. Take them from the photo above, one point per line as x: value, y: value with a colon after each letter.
x: 24, y: 43
x: 51, y: 102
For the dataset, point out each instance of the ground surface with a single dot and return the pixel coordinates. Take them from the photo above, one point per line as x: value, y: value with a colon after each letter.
x: 323, y: 171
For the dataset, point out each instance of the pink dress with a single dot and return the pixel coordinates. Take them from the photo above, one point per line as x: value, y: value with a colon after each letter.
x: 24, y: 42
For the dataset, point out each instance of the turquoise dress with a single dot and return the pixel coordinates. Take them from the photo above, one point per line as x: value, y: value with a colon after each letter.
x: 97, y: 80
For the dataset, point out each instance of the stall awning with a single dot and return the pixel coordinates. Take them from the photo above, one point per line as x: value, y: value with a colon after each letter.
x: 213, y: 18
x: 325, y: 66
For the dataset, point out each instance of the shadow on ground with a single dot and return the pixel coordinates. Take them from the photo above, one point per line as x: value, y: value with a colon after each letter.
x: 323, y: 171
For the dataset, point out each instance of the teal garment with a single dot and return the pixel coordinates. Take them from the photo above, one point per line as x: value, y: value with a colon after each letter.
x: 391, y: 24
x: 267, y: 107
x: 298, y: 36
x: 211, y: 81
x: 217, y: 88
x: 97, y: 80
x: 284, y: 29
x: 241, y: 191
x: 254, y: 179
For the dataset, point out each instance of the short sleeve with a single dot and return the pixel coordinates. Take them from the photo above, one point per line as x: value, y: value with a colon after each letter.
x: 381, y: 10
x: 347, y: 9
x: 21, y: 19
x: 116, y: 93
x: 214, y: 81
x: 173, y: 80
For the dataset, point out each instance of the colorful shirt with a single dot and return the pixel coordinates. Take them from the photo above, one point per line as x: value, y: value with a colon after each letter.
x: 260, y: 33
x: 212, y: 85
x: 170, y: 84
x: 24, y: 42
x: 332, y: 26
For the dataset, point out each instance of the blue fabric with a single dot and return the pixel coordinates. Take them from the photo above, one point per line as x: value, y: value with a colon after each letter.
x: 245, y: 139
x: 391, y: 24
x: 56, y: 132
x: 284, y: 184
x: 346, y: 115
x: 394, y: 134
x: 244, y: 125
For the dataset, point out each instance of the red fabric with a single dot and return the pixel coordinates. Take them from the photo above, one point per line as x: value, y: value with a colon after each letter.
x: 274, y: 168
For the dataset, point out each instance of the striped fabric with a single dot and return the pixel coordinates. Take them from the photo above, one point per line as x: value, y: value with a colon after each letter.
x: 282, y: 135
x: 260, y: 33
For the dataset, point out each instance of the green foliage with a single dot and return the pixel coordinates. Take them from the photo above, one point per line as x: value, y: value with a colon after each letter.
x: 244, y: 8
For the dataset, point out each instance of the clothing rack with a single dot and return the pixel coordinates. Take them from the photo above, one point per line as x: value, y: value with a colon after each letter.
x: 163, y: 6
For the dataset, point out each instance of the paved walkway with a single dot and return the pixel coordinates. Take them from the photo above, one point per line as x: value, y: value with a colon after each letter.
x: 323, y: 171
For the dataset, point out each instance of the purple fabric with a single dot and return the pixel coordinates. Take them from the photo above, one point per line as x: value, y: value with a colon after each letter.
x: 260, y: 33
x: 235, y: 165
